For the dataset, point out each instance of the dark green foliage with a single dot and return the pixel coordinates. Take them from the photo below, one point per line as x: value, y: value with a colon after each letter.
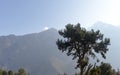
x: 10, y: 72
x: 21, y: 71
x: 0, y: 71
x: 81, y: 44
x: 103, y: 69
x: 4, y: 73
x: 106, y: 69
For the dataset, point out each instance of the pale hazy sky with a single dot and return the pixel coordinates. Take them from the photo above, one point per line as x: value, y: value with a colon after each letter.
x: 29, y: 16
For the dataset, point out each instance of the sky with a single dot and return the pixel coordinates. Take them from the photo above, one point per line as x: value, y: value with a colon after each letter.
x: 30, y: 16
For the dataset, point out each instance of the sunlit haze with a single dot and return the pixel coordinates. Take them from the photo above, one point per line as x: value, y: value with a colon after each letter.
x: 29, y: 16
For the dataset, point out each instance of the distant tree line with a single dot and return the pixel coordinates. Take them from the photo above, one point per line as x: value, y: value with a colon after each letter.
x: 21, y: 71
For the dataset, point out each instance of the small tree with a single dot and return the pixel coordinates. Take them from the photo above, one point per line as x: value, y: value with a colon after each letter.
x: 106, y: 69
x: 80, y: 43
x: 4, y: 73
x: 21, y: 71
x: 10, y: 72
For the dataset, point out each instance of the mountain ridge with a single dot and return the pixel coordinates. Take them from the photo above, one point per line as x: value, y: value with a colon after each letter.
x: 35, y: 52
x: 38, y: 53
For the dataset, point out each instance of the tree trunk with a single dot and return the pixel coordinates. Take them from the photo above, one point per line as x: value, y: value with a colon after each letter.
x: 81, y: 71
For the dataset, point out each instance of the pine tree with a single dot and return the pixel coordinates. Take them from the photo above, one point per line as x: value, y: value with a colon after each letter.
x: 81, y: 44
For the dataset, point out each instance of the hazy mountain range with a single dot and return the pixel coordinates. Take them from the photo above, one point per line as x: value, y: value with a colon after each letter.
x: 112, y: 32
x: 38, y: 53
